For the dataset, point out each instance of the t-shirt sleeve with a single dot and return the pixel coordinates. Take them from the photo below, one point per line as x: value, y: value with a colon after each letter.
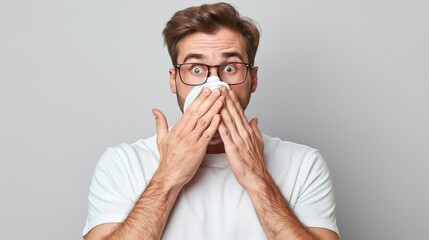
x: 315, y: 205
x: 109, y: 199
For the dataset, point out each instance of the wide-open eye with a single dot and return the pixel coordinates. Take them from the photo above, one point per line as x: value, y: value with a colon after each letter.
x: 197, y: 70
x: 229, y: 68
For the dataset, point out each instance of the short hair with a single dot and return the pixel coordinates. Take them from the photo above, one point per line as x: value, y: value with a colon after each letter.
x: 209, y: 18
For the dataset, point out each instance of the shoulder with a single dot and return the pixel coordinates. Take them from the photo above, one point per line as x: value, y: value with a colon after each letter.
x: 126, y: 160
x: 276, y: 148
x: 130, y: 152
x: 293, y: 162
x: 121, y: 174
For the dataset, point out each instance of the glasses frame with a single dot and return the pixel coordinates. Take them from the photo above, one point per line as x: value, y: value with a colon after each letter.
x: 177, y: 66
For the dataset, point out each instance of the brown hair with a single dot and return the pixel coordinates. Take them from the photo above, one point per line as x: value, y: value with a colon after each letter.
x: 209, y: 18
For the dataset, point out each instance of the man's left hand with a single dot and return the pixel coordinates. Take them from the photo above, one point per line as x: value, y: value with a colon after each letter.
x: 243, y: 142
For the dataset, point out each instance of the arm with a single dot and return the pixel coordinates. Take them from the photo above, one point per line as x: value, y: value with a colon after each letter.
x: 275, y: 215
x: 181, y: 152
x: 148, y: 216
x: 245, y: 150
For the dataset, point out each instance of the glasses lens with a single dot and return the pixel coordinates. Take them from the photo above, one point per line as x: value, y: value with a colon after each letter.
x: 196, y: 74
x: 233, y: 73
x: 193, y: 74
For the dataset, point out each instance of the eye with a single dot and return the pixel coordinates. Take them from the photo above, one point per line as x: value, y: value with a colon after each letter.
x: 230, y: 69
x: 197, y: 69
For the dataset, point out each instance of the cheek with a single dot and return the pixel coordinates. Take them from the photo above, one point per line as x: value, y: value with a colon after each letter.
x: 243, y: 94
x: 183, y: 90
x: 242, y: 90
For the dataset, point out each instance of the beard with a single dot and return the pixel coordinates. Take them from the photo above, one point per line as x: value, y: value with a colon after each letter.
x: 180, y: 102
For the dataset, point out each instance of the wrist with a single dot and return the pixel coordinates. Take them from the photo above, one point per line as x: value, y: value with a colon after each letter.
x: 258, y: 183
x: 167, y: 182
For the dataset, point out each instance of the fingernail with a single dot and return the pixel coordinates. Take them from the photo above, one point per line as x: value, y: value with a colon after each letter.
x: 218, y: 102
x: 216, y: 92
x: 206, y: 91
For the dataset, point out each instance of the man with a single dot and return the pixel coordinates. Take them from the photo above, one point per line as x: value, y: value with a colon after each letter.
x: 213, y: 175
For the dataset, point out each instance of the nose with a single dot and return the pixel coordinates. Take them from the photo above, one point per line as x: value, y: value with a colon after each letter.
x: 213, y: 71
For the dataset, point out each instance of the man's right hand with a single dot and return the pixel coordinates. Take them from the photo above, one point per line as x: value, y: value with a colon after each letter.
x: 183, y: 148
x: 181, y: 152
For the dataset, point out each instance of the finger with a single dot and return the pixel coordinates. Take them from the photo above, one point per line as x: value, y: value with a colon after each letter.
x: 205, y: 93
x: 234, y: 121
x: 205, y: 120
x: 254, y: 125
x: 235, y: 100
x: 229, y: 123
x: 184, y: 121
x: 200, y: 107
x: 225, y: 135
x: 209, y: 132
x: 239, y: 110
x: 161, y: 124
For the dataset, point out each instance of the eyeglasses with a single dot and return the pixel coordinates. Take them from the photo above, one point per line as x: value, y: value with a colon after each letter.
x: 194, y: 74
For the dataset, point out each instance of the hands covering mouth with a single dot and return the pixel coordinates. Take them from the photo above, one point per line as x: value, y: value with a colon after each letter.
x: 212, y: 83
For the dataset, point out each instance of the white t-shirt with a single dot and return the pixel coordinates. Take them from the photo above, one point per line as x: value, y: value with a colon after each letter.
x: 212, y: 205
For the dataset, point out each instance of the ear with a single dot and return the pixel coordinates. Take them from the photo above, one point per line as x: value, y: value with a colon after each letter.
x: 172, y: 73
x: 254, y: 78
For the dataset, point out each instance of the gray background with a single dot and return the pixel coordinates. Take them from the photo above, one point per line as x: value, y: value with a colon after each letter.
x: 347, y: 77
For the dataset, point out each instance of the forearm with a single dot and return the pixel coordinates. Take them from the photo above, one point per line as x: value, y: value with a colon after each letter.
x: 150, y: 213
x: 277, y: 219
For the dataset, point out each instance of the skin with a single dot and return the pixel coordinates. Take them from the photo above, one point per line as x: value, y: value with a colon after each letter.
x: 214, y: 123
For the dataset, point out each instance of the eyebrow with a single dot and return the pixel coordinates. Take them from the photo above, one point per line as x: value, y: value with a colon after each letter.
x: 225, y: 55
x: 232, y: 54
x: 197, y: 56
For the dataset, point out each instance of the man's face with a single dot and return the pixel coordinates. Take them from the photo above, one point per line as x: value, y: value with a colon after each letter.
x: 213, y: 49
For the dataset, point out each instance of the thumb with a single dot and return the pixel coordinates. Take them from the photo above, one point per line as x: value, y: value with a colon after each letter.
x: 161, y: 124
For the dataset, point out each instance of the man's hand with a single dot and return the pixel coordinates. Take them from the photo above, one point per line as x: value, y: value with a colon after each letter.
x: 243, y: 142
x: 183, y: 148
x: 244, y: 148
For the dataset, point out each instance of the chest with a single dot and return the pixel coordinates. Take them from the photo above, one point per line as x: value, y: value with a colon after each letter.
x: 213, y: 206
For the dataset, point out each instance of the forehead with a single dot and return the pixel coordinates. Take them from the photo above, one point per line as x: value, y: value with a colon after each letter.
x: 224, y: 44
